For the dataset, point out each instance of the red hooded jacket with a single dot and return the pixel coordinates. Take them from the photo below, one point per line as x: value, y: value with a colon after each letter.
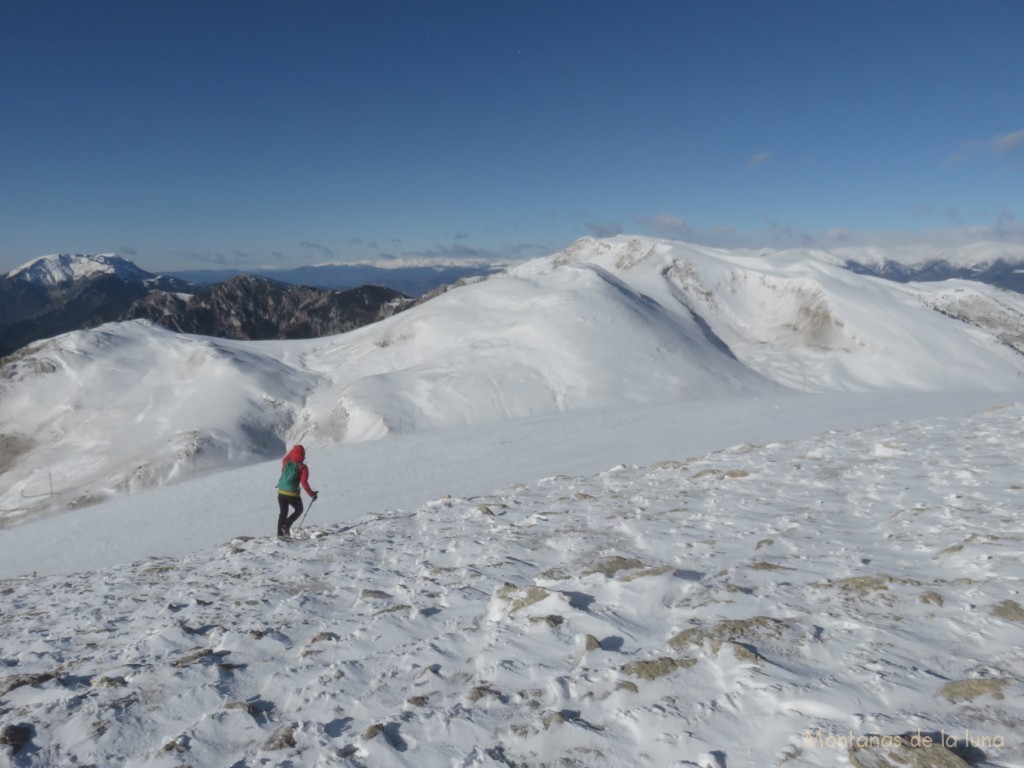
x: 296, y: 455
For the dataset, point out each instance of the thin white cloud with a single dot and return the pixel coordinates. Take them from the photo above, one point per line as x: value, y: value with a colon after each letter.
x: 1007, y: 225
x: 1008, y: 143
x: 598, y: 229
x: 949, y: 213
x: 666, y: 224
x: 317, y: 247
x: 1003, y: 144
x: 760, y: 159
x: 458, y: 254
x: 966, y: 150
x: 950, y: 231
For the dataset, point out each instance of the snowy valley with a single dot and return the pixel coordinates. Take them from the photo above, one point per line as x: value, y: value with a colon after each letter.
x: 637, y: 503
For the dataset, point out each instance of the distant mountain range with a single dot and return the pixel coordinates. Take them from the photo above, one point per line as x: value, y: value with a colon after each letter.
x: 61, y: 293
x: 1002, y: 274
x: 65, y: 292
x: 603, y: 324
x: 247, y: 307
x: 409, y: 280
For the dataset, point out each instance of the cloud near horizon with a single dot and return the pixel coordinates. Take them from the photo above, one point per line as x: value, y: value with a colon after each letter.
x: 323, y: 249
x: 220, y: 258
x: 666, y: 224
x: 1002, y: 226
x: 948, y: 229
x: 457, y: 254
x: 1008, y: 143
x: 611, y: 229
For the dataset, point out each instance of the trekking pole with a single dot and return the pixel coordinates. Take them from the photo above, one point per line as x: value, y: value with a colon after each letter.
x: 311, y: 503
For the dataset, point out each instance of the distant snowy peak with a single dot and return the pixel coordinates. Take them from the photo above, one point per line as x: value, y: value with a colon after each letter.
x: 977, y: 256
x: 63, y: 269
x: 998, y: 264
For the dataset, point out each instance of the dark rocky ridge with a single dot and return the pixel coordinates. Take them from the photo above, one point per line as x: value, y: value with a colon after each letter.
x: 247, y: 307
x: 1002, y: 273
x: 35, y: 306
x: 31, y: 311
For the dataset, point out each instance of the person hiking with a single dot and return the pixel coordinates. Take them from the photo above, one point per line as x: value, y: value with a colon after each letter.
x: 294, y: 474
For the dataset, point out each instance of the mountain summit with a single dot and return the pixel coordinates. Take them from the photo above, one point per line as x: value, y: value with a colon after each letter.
x: 60, y: 270
x: 62, y: 293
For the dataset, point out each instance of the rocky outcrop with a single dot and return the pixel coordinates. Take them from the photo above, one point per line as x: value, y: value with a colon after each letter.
x: 247, y: 307
x: 59, y: 294
x: 32, y: 311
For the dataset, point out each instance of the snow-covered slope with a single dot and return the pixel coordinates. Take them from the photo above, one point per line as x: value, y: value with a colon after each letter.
x: 801, y: 319
x: 797, y: 603
x: 515, y: 345
x: 131, y: 405
x: 62, y: 269
x: 651, y: 504
x: 604, y: 323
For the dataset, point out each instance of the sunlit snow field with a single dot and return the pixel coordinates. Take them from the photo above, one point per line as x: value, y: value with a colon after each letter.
x: 638, y: 503
x: 760, y: 604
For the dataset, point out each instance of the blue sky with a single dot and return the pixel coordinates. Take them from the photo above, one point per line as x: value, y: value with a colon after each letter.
x: 204, y: 133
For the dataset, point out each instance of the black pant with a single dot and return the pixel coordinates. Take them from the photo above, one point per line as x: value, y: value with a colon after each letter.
x: 284, y: 522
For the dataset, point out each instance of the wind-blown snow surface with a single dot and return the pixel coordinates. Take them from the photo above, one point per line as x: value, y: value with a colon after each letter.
x: 759, y: 605
x: 603, y: 324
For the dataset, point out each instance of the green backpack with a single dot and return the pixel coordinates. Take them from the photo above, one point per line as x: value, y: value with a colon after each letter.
x: 290, y: 475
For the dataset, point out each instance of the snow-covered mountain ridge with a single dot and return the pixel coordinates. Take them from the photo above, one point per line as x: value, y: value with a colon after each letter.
x: 62, y: 269
x: 62, y: 293
x: 602, y: 324
x: 976, y: 257
x: 799, y: 603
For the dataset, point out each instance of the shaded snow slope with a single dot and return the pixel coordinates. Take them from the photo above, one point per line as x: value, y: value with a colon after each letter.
x: 622, y: 321
x: 760, y: 605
